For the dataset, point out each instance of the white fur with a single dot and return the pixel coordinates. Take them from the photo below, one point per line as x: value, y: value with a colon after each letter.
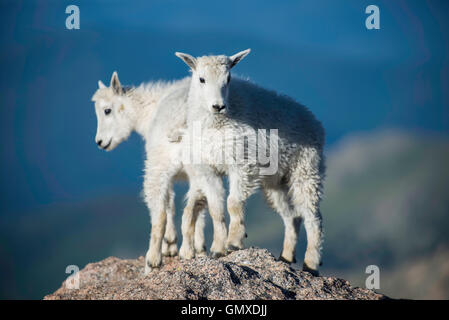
x: 294, y: 191
x: 154, y: 111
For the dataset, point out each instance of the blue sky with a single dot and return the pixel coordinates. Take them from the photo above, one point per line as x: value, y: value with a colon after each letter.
x: 318, y: 52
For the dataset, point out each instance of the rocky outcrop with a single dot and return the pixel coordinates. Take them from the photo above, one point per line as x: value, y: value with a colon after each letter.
x: 246, y: 274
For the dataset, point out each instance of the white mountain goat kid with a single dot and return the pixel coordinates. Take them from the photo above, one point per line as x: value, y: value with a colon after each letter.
x: 155, y: 111
x: 227, y: 110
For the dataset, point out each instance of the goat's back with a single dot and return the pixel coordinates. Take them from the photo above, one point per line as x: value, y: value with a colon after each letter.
x: 265, y: 109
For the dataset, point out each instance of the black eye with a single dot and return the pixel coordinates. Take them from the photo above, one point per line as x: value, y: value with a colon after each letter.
x: 229, y: 77
x: 107, y: 111
x: 202, y: 80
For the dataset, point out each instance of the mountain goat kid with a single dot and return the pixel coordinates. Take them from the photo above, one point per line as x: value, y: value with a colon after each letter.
x: 154, y: 111
x: 227, y: 111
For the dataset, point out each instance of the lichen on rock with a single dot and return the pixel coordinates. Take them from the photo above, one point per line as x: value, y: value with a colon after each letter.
x: 245, y: 274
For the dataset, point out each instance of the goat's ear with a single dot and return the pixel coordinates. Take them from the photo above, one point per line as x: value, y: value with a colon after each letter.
x: 101, y: 84
x: 236, y: 58
x: 188, y: 59
x: 115, y: 84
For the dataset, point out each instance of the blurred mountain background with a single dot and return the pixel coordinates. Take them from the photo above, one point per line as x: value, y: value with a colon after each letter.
x: 382, y: 96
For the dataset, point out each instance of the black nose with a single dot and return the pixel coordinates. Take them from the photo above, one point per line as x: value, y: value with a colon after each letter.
x: 99, y: 142
x: 218, y: 107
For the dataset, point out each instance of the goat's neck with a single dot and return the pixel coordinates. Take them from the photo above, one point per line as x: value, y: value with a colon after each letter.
x: 141, y: 108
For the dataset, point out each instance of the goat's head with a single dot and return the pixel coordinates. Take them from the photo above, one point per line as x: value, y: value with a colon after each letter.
x: 210, y: 79
x: 113, y: 126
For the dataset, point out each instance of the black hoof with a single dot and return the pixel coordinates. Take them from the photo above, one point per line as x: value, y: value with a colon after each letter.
x: 232, y: 248
x: 216, y: 255
x: 153, y: 267
x: 282, y: 259
x: 313, y: 272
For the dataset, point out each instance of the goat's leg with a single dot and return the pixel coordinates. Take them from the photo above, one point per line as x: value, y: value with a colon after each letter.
x: 236, y: 224
x: 314, y: 230
x: 153, y: 258
x: 235, y: 203
x: 195, y: 203
x: 199, y: 241
x: 305, y: 191
x: 169, y: 244
x: 212, y: 186
x: 291, y: 231
x: 278, y: 199
x: 156, y: 191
